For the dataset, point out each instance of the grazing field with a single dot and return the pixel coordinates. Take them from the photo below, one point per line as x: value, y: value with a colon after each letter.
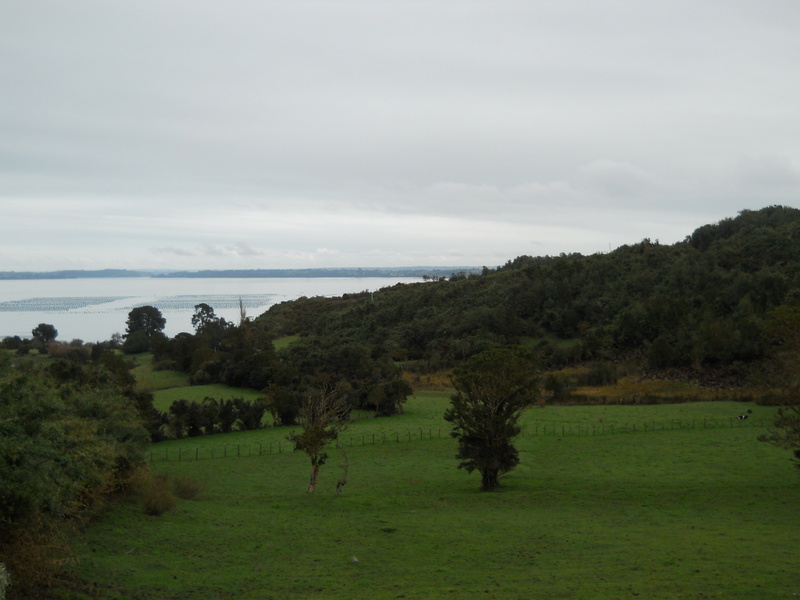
x: 150, y: 380
x: 666, y: 512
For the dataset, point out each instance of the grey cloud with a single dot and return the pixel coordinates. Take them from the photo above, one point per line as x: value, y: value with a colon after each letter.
x: 336, y: 132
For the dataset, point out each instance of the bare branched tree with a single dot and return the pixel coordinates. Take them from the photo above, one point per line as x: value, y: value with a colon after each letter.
x: 323, y: 417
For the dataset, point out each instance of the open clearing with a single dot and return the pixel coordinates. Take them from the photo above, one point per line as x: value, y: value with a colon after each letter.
x: 670, y: 512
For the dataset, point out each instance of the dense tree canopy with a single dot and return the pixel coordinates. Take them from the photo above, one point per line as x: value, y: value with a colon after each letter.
x: 44, y: 333
x: 69, y: 435
x: 147, y: 319
x: 493, y: 389
x: 699, y: 304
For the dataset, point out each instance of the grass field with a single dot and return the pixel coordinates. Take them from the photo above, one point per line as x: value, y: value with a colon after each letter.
x: 663, y: 513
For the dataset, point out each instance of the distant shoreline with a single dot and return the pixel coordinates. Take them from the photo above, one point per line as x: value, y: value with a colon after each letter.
x: 242, y: 273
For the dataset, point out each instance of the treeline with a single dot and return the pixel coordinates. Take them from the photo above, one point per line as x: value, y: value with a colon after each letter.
x: 244, y: 355
x: 189, y: 418
x: 698, y: 304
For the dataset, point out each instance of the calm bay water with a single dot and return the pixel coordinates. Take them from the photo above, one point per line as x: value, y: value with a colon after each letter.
x: 94, y: 309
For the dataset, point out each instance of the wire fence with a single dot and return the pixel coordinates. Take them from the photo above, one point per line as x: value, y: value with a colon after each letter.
x: 171, y: 453
x: 600, y: 428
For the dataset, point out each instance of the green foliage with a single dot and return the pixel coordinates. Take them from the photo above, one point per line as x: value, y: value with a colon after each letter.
x: 699, y: 304
x: 783, y: 372
x: 44, y: 333
x: 157, y: 495
x: 323, y: 417
x: 147, y: 319
x: 136, y: 343
x: 560, y: 385
x: 186, y: 488
x: 69, y: 436
x: 493, y: 389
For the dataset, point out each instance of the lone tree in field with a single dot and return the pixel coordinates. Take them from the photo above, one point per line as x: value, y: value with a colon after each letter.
x: 323, y: 417
x: 44, y: 333
x: 493, y: 389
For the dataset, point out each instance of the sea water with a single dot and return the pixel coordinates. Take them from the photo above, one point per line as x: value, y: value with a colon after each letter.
x: 94, y: 309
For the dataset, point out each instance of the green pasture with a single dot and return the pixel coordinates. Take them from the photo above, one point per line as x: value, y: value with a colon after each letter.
x: 284, y: 342
x: 147, y: 379
x: 702, y: 511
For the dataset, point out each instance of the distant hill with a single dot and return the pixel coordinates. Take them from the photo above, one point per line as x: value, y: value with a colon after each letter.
x: 432, y: 272
x: 699, y: 304
x: 77, y: 274
x: 333, y: 272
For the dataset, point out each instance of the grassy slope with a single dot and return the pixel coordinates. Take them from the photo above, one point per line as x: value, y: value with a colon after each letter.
x: 698, y: 513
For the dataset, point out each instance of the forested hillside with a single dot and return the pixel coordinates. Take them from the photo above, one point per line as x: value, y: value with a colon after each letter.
x: 699, y: 304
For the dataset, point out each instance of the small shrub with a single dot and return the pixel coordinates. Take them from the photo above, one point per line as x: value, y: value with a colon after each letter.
x: 186, y: 489
x: 600, y: 374
x: 34, y: 557
x: 156, y: 493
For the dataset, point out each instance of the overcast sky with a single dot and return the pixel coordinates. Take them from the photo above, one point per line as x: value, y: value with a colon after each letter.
x: 268, y: 134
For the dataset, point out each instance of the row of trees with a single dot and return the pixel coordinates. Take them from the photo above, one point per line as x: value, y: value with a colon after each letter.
x: 211, y: 416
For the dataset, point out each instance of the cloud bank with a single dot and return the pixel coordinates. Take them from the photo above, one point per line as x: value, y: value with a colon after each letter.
x: 198, y: 134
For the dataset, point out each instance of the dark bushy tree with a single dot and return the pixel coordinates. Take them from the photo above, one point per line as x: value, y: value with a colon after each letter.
x: 44, y: 333
x: 493, y: 389
x: 147, y: 319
